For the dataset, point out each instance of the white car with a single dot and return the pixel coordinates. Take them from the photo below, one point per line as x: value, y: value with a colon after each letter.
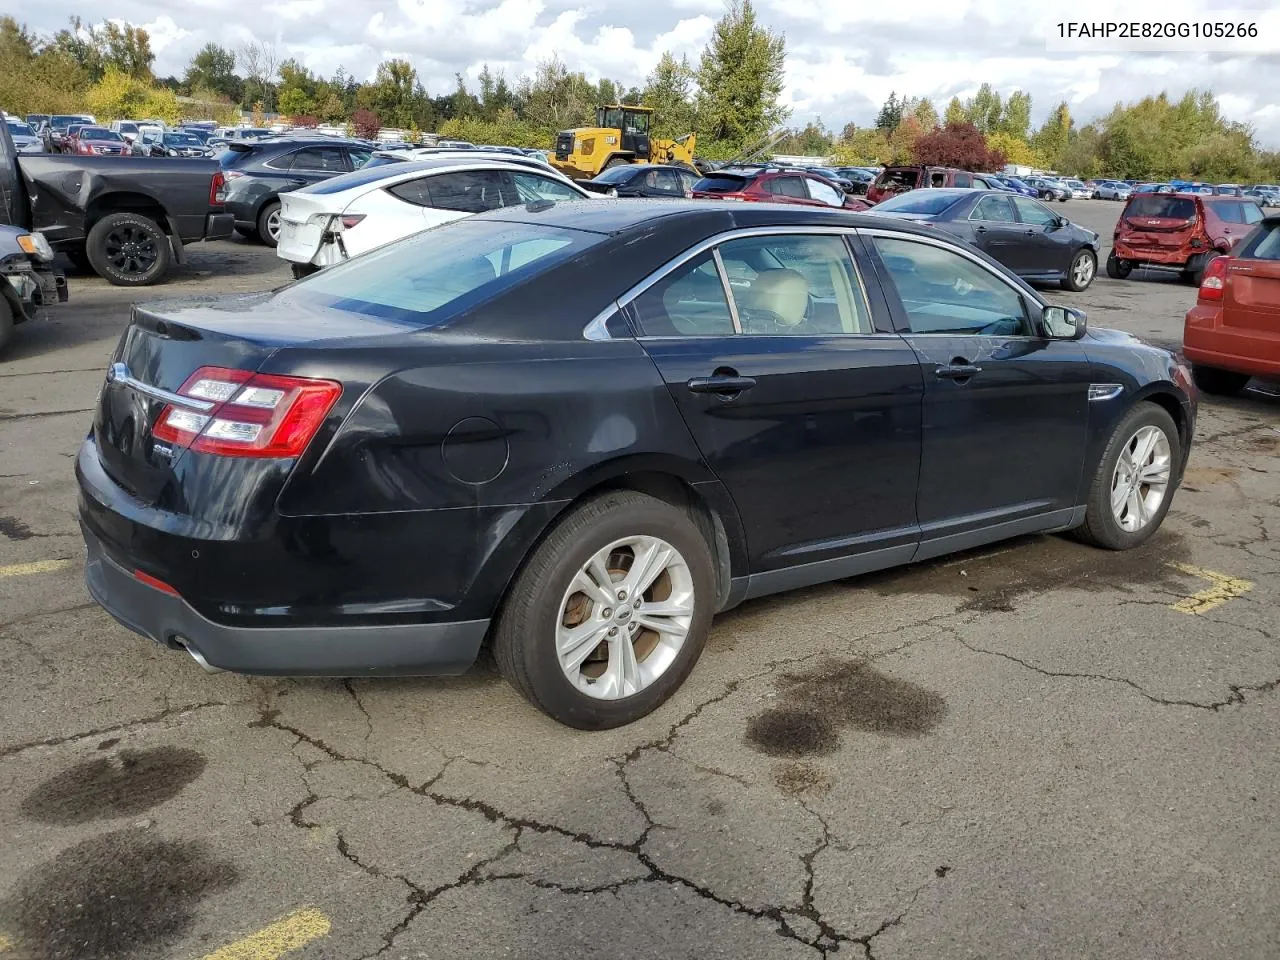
x: 346, y: 215
x: 1079, y: 191
x: 1114, y: 190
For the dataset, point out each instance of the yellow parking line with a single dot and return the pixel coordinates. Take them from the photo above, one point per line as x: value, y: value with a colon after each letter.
x: 1224, y: 588
x: 5, y: 944
x: 38, y: 566
x: 275, y: 940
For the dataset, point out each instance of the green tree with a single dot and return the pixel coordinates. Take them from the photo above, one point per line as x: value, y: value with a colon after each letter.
x: 847, y: 131
x: 669, y: 91
x: 395, y: 94
x: 1051, y: 140
x: 297, y: 91
x: 214, y: 68
x: 556, y: 99
x: 955, y: 113
x: 890, y: 114
x: 984, y: 109
x: 740, y: 78
x: 465, y: 103
x: 925, y: 113
x: 1015, y: 119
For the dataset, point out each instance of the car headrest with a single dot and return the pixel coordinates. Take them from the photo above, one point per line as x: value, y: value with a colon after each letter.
x: 784, y: 293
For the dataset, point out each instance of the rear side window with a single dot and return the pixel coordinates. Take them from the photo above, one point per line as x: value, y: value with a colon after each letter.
x: 1236, y: 211
x: 417, y: 192
x: 787, y: 187
x: 720, y: 183
x: 1163, y: 207
x: 964, y: 180
x: 688, y: 302
x: 1262, y: 244
x: 324, y: 159
x: 429, y: 277
x: 907, y: 179
x: 469, y: 191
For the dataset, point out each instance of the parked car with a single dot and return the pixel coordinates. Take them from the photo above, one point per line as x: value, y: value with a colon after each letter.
x: 203, y: 134
x: 1021, y: 233
x: 855, y: 391
x: 860, y: 177
x: 128, y: 129
x: 1154, y: 188
x: 1179, y: 231
x: 643, y: 180
x: 29, y: 281
x: 25, y: 139
x: 1233, y: 331
x: 90, y: 141
x: 36, y: 120
x: 893, y: 180
x: 55, y: 132
x: 844, y: 183
x: 258, y: 171
x: 330, y: 221
x: 774, y: 185
x: 1228, y: 190
x: 126, y: 220
x: 1079, y: 189
x: 1016, y: 185
x: 172, y: 144
x: 1048, y: 189
x: 381, y: 158
x: 1113, y: 190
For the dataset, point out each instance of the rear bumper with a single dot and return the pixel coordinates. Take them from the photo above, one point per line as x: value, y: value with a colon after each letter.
x: 1165, y: 257
x: 347, y: 651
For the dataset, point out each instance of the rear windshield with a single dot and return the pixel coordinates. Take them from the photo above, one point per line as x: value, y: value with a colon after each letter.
x: 918, y: 201
x: 1165, y: 207
x: 908, y: 178
x: 380, y: 160
x: 429, y: 277
x: 720, y: 183
x: 1236, y: 211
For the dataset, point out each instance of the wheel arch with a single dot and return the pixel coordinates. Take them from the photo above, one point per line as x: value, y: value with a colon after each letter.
x: 1165, y: 398
x: 126, y: 202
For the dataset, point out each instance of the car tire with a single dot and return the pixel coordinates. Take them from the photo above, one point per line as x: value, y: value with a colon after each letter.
x: 615, y: 162
x: 7, y: 322
x: 1194, y: 274
x: 269, y: 223
x: 1129, y: 524
x: 300, y: 270
x: 128, y: 250
x: 1219, y: 382
x: 1080, y: 274
x: 527, y: 642
x: 1118, y: 269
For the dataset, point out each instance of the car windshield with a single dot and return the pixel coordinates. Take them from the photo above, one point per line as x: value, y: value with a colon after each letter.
x: 20, y: 129
x: 917, y: 201
x: 98, y: 133
x: 619, y: 174
x: 63, y: 122
x: 1236, y: 211
x: 429, y: 277
x: 1163, y: 207
x: 181, y: 140
x: 720, y: 183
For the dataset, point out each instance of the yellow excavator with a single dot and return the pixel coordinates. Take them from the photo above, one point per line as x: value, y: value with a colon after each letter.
x: 621, y: 135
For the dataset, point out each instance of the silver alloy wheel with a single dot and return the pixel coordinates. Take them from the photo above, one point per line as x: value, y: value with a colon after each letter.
x: 1141, y: 478
x: 625, y: 617
x: 1083, y: 272
x: 273, y: 224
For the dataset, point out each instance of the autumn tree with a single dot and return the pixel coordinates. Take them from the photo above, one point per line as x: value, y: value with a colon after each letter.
x: 955, y: 113
x: 957, y: 145
x: 365, y: 123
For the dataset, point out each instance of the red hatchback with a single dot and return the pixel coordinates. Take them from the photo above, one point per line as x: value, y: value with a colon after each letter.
x: 1182, y: 231
x: 773, y: 185
x: 1233, y: 331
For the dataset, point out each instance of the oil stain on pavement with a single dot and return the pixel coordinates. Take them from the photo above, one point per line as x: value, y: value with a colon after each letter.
x: 14, y: 529
x: 121, y: 894
x: 840, y: 694
x: 120, y: 785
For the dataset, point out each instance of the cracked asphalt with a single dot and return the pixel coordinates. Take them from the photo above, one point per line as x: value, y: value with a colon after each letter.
x: 1024, y: 751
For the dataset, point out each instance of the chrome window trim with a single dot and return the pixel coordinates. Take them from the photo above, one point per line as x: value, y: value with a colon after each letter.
x: 728, y: 291
x: 119, y: 373
x: 935, y: 242
x: 598, y: 328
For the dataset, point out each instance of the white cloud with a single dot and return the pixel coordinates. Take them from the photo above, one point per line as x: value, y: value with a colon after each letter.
x: 843, y: 59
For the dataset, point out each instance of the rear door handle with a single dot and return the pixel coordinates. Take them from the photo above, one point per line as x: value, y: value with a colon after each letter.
x: 722, y: 384
x: 980, y: 229
x: 957, y: 371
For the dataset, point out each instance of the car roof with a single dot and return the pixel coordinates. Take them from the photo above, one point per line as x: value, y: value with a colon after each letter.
x: 624, y: 216
x: 396, y: 172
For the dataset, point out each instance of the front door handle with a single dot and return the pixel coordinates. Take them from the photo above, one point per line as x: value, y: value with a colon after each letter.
x: 957, y: 371
x: 979, y: 229
x: 726, y: 385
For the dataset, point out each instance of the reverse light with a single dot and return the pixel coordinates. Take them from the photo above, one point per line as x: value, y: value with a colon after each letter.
x: 1214, y: 282
x: 255, y: 415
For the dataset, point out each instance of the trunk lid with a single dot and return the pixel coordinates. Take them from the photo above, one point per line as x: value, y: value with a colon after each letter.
x: 303, y: 220
x: 1252, y: 296
x: 168, y: 341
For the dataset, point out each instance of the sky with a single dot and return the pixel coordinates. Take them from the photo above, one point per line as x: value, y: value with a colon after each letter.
x: 843, y: 58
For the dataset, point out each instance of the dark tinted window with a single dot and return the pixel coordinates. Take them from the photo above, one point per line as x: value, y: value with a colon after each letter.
x: 1235, y: 211
x: 919, y: 201
x: 963, y: 180
x: 787, y: 187
x: 908, y: 178
x: 329, y: 159
x: 619, y: 174
x: 721, y: 183
x: 98, y: 133
x: 181, y: 140
x: 1162, y: 206
x: 20, y: 129
x: 429, y: 277
x: 469, y: 191
x: 417, y: 192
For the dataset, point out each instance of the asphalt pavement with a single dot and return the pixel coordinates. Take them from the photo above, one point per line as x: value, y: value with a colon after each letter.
x: 1038, y: 749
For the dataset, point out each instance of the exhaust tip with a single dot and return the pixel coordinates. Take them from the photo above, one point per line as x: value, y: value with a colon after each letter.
x: 198, y: 657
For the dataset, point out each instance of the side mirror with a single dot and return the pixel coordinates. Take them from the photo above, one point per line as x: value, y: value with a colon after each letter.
x: 1063, y: 323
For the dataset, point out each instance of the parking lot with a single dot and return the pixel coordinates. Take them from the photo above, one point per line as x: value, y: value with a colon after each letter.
x: 1037, y: 749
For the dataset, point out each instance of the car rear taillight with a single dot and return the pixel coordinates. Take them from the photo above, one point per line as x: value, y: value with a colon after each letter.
x: 347, y: 220
x: 218, y: 190
x: 253, y: 414
x: 1215, y: 279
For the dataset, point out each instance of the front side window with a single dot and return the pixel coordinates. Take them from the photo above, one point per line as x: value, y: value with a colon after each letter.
x: 468, y: 191
x: 532, y: 188
x: 944, y: 292
x: 994, y: 209
x: 1034, y: 214
x: 359, y: 157
x: 795, y: 286
x: 320, y: 159
x: 963, y: 180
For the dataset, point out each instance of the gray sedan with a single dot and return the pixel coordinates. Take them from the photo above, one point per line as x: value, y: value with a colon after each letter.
x: 1113, y: 190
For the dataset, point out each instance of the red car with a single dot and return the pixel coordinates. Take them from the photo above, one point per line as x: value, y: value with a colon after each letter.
x: 1183, y: 231
x: 1233, y: 331
x: 895, y: 180
x: 95, y: 141
x: 775, y: 185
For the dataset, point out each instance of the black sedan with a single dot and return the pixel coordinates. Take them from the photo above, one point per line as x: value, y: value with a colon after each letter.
x: 1023, y: 234
x: 577, y: 431
x: 171, y: 144
x: 643, y: 180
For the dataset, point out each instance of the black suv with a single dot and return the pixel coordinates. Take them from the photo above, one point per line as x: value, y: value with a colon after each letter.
x: 258, y: 171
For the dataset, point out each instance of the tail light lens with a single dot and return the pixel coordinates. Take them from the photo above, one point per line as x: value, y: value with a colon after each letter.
x: 347, y: 220
x: 1215, y: 279
x: 254, y: 415
x: 218, y: 189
